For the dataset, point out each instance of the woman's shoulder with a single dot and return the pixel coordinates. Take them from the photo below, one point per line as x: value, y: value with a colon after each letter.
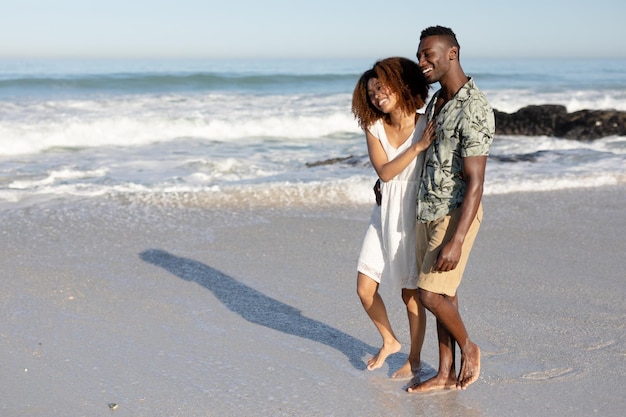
x: 377, y: 129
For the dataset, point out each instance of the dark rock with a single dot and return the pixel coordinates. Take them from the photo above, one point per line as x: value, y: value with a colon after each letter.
x: 592, y: 124
x: 554, y: 120
x: 349, y: 160
x: 530, y: 121
x: 532, y: 157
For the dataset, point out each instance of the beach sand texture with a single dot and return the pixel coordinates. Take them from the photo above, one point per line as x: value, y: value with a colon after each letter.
x: 111, y: 308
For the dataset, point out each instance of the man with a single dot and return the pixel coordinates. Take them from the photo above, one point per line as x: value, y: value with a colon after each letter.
x: 449, y: 209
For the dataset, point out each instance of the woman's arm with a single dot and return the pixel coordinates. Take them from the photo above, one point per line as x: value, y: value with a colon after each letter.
x: 386, y: 169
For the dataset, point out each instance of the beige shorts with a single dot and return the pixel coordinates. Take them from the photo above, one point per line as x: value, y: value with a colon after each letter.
x: 430, y: 238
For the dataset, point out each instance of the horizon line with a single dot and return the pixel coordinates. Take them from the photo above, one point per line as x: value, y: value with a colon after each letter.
x: 278, y: 57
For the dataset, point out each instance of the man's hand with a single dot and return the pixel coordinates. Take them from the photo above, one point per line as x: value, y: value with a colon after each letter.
x: 448, y: 257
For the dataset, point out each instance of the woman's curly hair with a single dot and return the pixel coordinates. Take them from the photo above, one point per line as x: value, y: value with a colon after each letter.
x: 402, y: 76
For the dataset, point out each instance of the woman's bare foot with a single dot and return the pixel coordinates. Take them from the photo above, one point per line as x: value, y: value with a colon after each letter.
x: 387, y: 349
x: 438, y: 382
x: 470, y: 366
x: 408, y: 370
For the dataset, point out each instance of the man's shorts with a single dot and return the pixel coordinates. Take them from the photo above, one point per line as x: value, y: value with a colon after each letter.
x: 430, y: 238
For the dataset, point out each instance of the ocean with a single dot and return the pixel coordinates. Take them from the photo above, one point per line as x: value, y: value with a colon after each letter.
x: 248, y: 133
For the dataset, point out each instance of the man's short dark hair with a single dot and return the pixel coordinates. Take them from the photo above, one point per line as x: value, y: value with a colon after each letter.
x: 442, y: 31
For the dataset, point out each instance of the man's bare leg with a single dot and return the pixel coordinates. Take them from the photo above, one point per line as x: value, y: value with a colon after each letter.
x: 446, y: 373
x: 447, y: 313
x: 470, y: 365
x: 372, y: 302
x: 417, y: 327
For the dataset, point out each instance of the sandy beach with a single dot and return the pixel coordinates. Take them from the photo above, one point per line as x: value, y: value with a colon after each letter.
x: 117, y: 309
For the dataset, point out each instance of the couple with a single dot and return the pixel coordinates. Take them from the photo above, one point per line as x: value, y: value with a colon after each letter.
x: 432, y: 169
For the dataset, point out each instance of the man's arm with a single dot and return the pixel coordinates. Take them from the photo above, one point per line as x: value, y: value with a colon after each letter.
x: 474, y: 175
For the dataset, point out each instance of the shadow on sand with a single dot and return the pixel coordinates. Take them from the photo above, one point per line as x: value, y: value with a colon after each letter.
x: 258, y: 308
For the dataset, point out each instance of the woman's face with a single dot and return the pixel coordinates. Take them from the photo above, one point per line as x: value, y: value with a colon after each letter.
x: 381, y: 96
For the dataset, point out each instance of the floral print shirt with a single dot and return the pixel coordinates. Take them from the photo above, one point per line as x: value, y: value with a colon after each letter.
x: 465, y: 126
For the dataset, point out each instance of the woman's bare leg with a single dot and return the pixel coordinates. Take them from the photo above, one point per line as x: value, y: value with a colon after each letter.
x: 372, y: 302
x: 417, y: 327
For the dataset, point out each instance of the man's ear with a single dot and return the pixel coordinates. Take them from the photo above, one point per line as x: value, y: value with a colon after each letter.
x: 453, y: 53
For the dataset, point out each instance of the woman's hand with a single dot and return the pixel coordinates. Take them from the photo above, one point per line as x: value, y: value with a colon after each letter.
x: 428, y: 136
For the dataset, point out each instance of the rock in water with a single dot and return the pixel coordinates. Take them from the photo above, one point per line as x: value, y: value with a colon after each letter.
x: 554, y: 120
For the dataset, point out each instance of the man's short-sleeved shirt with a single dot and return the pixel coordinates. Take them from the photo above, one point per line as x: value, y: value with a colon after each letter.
x: 465, y: 127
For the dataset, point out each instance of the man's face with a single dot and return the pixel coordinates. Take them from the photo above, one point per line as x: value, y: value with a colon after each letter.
x: 433, y: 57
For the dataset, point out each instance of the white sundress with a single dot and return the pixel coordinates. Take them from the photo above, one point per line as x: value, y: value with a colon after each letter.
x: 388, y: 251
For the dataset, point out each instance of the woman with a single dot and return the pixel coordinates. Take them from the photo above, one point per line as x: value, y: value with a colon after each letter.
x: 385, y: 103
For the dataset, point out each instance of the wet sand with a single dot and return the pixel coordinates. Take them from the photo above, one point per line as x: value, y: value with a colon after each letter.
x: 189, y: 311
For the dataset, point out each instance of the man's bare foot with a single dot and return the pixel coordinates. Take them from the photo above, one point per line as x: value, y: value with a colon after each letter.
x: 408, y: 370
x: 387, y: 349
x: 438, y: 382
x: 470, y: 366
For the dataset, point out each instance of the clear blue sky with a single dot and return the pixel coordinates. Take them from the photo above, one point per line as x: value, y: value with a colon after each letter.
x: 313, y: 28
